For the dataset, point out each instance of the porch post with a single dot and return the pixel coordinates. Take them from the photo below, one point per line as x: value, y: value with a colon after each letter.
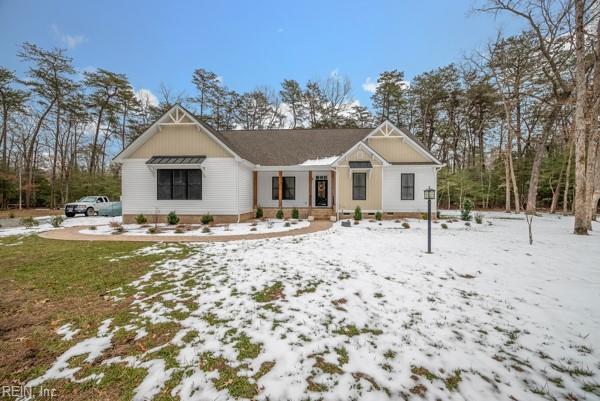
x: 280, y: 188
x: 333, y: 191
x: 255, y: 189
x: 310, y: 187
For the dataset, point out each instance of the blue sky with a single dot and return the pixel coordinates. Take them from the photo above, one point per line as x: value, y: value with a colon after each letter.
x: 249, y: 43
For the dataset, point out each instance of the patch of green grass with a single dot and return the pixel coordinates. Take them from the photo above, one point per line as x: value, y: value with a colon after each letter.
x: 213, y: 320
x: 246, y: 349
x: 272, y: 307
x: 423, y: 372
x: 453, y: 380
x: 389, y: 354
x: 351, y: 330
x: 270, y: 293
x: 343, y: 357
x: 590, y: 387
x: 73, y: 268
x: 123, y: 378
x: 327, y: 367
x: 378, y: 295
x: 238, y: 386
x: 572, y: 370
x: 310, y: 287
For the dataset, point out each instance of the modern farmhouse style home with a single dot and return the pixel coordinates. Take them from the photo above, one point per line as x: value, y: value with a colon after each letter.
x: 181, y: 164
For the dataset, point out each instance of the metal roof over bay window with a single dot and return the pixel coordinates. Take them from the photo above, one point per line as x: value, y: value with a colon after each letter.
x: 178, y: 160
x: 360, y: 164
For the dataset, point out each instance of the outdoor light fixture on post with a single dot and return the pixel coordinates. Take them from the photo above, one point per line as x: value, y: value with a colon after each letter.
x: 429, y: 194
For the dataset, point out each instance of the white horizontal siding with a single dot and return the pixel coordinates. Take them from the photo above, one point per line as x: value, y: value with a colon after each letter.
x: 245, y: 194
x: 425, y: 176
x: 218, y: 190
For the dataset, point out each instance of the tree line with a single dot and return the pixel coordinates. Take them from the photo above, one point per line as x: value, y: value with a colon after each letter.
x: 516, y: 123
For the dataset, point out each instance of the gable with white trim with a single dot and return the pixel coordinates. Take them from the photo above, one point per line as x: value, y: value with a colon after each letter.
x: 396, y: 147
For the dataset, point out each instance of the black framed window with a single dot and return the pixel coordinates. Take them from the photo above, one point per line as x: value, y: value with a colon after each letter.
x: 289, y: 188
x: 407, y: 182
x: 359, y: 186
x: 179, y: 184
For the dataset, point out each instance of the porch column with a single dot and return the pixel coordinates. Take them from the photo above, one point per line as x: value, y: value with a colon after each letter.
x: 333, y: 190
x: 254, y: 189
x: 310, y: 187
x: 280, y: 188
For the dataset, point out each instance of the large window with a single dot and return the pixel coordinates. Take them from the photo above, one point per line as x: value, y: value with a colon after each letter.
x: 179, y: 184
x: 408, y: 186
x: 359, y: 186
x: 289, y: 188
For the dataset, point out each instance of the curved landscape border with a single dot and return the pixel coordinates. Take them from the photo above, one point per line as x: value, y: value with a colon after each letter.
x: 73, y: 234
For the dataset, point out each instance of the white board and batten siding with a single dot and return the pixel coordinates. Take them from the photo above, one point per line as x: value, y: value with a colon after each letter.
x: 425, y: 177
x: 219, y: 182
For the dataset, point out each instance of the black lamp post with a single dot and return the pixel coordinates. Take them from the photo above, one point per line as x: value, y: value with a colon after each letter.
x: 429, y: 194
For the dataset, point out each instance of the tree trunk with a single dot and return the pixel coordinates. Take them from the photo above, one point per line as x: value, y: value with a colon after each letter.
x: 580, y: 226
x: 567, y: 181
x: 537, y: 161
x: 55, y: 159
x: 29, y: 156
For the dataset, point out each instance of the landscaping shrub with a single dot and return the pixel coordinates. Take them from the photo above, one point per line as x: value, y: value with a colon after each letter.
x: 357, y: 213
x: 259, y: 213
x: 295, y: 213
x: 444, y: 226
x: 172, y: 218
x: 206, y: 219
x: 206, y: 229
x: 152, y: 230
x: 465, y: 212
x: 279, y: 214
x: 378, y: 216
x: 478, y: 218
x: 141, y: 219
x: 29, y: 222
x: 11, y: 215
x: 287, y: 224
x: 424, y: 216
x: 405, y: 225
x: 56, y: 221
x: 93, y: 228
x: 253, y: 229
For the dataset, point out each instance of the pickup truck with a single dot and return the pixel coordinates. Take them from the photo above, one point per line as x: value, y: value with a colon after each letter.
x: 88, y: 205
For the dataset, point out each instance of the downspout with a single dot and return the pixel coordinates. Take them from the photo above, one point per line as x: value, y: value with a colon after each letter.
x: 237, y: 189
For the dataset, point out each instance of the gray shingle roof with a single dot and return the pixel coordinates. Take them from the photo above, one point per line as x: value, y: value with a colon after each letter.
x: 288, y: 147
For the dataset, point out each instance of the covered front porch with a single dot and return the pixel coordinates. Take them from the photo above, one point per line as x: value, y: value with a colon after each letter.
x: 308, y: 189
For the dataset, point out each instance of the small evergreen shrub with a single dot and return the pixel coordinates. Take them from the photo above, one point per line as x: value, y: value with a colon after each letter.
x: 444, y: 226
x: 93, y: 228
x: 357, y: 213
x: 141, y: 219
x: 57, y: 221
x: 465, y: 213
x: 405, y: 225
x: 29, y: 222
x: 172, y: 218
x: 295, y: 213
x: 259, y: 213
x: 378, y: 216
x: 11, y: 215
x: 478, y: 218
x: 152, y: 230
x: 424, y: 216
x: 287, y: 224
x: 207, y: 219
x: 279, y: 214
x: 206, y: 229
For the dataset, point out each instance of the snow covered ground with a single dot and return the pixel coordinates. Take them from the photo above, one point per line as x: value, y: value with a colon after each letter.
x: 364, y: 313
x: 44, y: 224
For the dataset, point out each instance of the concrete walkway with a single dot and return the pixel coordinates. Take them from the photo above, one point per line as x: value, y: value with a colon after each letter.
x: 73, y: 234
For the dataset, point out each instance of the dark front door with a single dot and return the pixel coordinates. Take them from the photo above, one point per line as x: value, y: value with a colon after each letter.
x: 321, y: 193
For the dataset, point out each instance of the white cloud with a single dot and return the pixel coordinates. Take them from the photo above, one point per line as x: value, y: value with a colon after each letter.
x: 145, y: 96
x: 369, y: 85
x: 71, y: 41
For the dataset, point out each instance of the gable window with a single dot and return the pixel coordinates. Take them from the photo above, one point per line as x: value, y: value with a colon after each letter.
x: 407, y: 181
x: 179, y: 184
x: 289, y: 188
x: 359, y: 186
